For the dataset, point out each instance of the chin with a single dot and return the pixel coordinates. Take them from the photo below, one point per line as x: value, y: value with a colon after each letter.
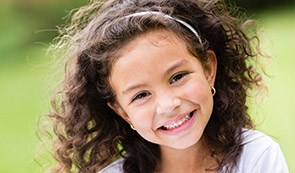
x: 181, y: 145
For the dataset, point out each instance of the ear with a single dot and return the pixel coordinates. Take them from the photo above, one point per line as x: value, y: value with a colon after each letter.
x: 211, y: 67
x: 119, y: 110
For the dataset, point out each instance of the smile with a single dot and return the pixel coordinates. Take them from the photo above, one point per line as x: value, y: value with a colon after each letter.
x: 179, y: 122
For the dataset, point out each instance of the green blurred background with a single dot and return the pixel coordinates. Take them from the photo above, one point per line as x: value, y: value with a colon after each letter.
x: 26, y: 29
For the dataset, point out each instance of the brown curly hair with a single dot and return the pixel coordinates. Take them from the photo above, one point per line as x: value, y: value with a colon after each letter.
x: 90, y: 135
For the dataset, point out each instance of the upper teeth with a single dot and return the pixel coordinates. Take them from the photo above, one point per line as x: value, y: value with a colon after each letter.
x: 178, y: 123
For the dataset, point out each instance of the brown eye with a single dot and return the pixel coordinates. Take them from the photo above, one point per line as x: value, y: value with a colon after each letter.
x: 177, y: 77
x: 140, y: 96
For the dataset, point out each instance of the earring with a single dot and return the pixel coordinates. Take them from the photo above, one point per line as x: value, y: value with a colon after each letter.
x: 132, y: 127
x: 213, y: 90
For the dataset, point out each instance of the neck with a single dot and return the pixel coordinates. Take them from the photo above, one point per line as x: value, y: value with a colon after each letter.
x: 196, y: 158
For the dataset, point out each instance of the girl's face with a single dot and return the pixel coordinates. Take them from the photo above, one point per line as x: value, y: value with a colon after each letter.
x: 162, y: 90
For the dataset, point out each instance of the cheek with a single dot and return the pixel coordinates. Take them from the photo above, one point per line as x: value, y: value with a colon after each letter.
x: 198, y: 92
x: 142, y: 117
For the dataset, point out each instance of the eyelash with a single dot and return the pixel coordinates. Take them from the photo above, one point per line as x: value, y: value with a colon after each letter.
x: 173, y: 79
x: 140, y: 96
x: 177, y: 77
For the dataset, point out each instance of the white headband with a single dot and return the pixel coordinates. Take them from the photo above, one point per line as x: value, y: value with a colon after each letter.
x: 168, y: 17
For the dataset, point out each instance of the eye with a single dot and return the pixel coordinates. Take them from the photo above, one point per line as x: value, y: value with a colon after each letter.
x: 177, y: 77
x: 140, y: 96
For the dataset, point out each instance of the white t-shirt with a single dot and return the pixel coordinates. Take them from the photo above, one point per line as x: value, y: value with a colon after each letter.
x: 260, y: 155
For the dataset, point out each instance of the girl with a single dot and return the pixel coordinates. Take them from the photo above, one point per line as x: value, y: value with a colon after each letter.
x: 159, y: 86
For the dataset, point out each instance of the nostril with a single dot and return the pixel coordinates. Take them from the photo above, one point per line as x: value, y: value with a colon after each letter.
x: 167, y: 107
x: 167, y: 113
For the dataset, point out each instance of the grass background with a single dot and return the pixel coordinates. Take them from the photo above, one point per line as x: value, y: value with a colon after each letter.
x: 25, y: 88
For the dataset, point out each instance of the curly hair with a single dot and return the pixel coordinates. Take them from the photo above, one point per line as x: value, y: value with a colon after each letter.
x: 90, y: 135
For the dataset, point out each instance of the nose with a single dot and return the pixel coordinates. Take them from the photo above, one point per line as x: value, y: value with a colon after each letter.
x: 167, y: 104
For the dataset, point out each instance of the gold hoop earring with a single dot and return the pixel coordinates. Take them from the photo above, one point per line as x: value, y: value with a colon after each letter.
x: 132, y: 127
x: 213, y: 90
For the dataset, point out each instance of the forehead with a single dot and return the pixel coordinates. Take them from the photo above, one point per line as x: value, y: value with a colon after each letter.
x: 147, y: 46
x: 148, y: 56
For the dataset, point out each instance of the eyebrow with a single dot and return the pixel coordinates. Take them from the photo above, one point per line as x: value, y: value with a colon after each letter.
x: 167, y: 72
x: 132, y: 88
x: 175, y: 66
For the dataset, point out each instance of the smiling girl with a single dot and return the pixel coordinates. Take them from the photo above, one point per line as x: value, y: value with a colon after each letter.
x: 159, y: 86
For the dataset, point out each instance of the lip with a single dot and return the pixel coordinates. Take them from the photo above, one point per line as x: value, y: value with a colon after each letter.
x: 182, y: 127
x: 176, y: 119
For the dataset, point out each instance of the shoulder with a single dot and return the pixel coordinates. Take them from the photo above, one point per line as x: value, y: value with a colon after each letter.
x: 261, y: 154
x: 256, y: 140
x: 115, y: 167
